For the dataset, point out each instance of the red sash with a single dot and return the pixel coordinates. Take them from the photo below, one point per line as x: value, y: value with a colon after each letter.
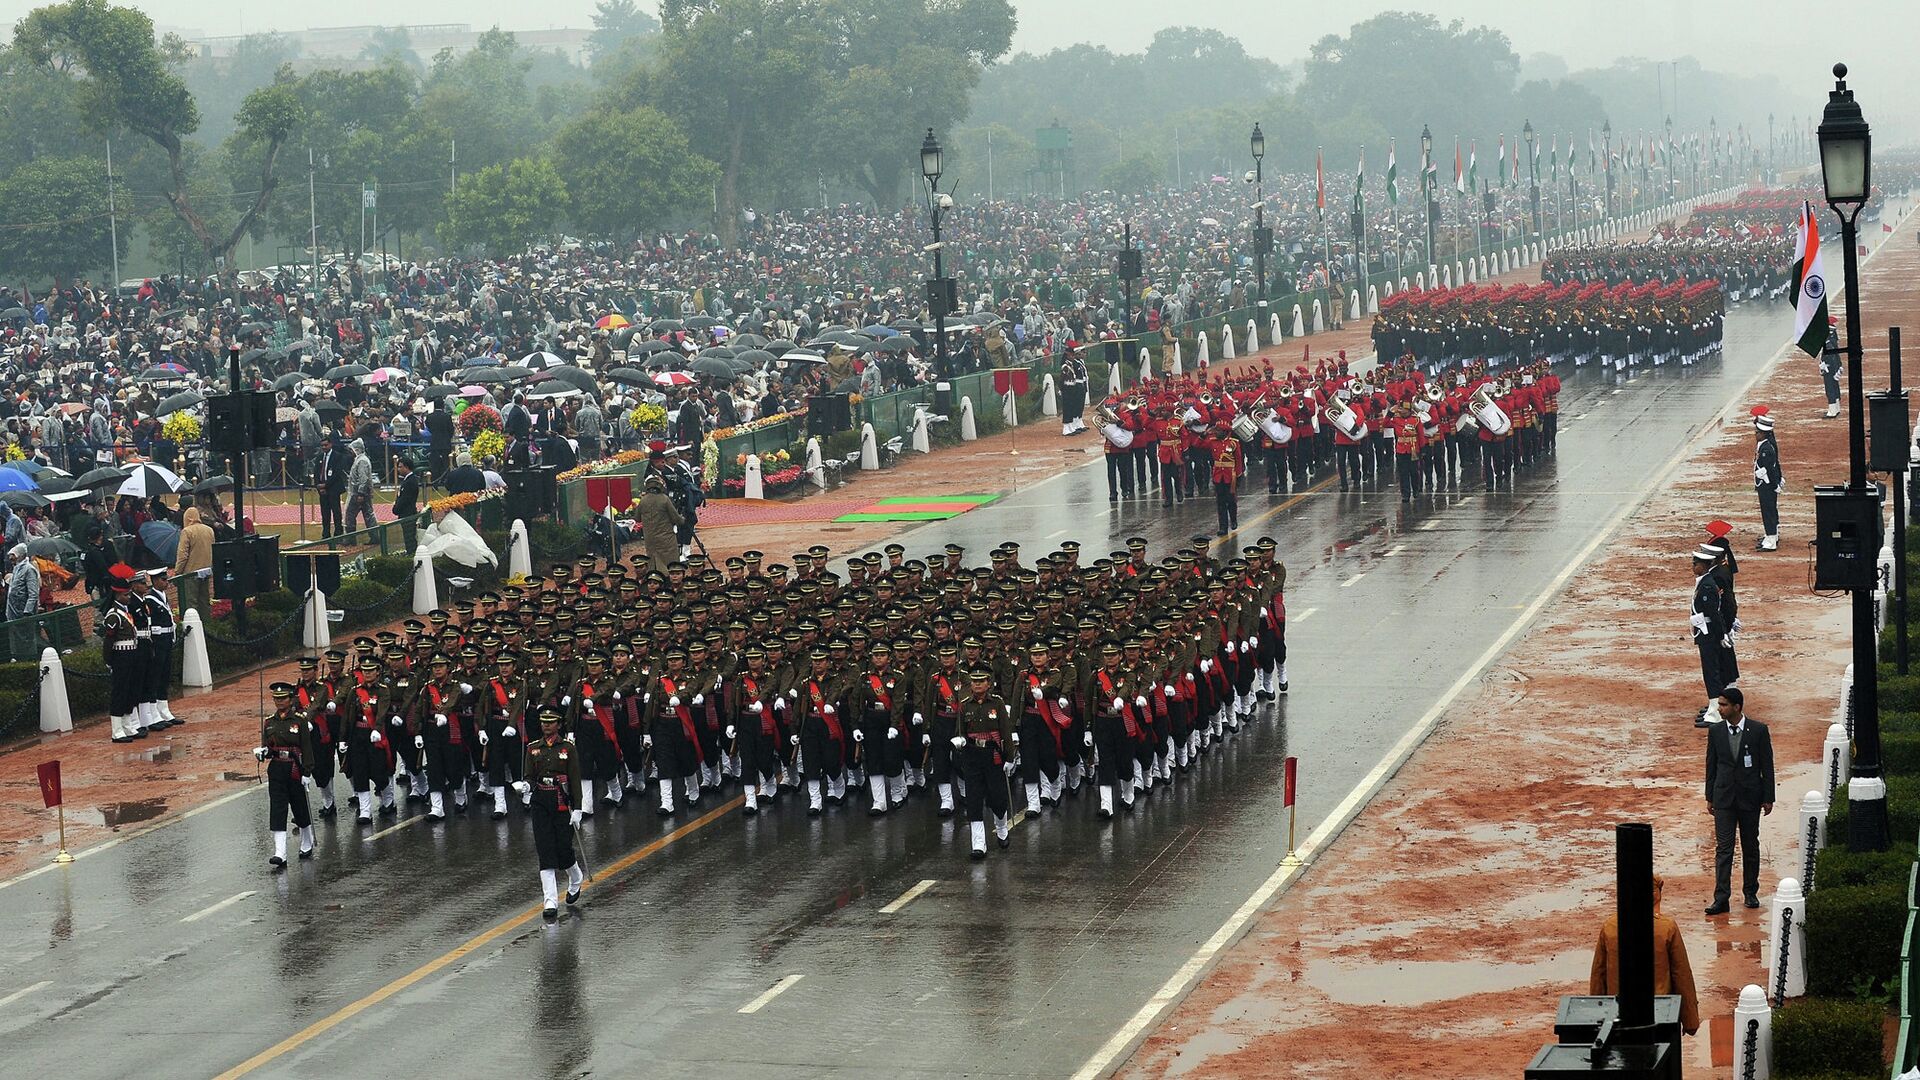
x: 501, y: 698
x: 322, y: 733
x: 369, y: 722
x: 819, y: 703
x: 433, y: 701
x: 686, y: 719
x: 1126, y: 707
x: 1057, y: 721
x: 950, y: 706
x: 602, y: 713
x: 766, y: 715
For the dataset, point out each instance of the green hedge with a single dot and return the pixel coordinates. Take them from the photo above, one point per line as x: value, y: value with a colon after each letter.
x: 1900, y: 692
x: 1902, y: 720
x: 1853, y: 939
x: 1815, y: 1038
x: 1838, y: 867
x: 1899, y: 752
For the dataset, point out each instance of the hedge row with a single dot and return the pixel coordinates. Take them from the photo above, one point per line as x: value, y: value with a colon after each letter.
x: 1828, y: 1039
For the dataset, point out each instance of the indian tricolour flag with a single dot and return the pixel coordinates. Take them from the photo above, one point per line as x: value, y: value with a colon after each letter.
x: 1393, y: 178
x: 1808, y: 287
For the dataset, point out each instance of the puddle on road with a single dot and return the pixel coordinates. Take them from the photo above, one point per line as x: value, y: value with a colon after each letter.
x: 1424, y: 983
x: 129, y: 813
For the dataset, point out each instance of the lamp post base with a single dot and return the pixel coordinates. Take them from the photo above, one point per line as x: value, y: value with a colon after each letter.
x: 1867, y: 826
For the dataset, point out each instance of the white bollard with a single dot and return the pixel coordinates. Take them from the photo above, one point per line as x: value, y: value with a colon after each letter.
x: 922, y: 438
x: 519, y: 551
x: 816, y: 466
x: 1473, y: 273
x: 1353, y: 304
x: 315, y: 633
x: 1226, y: 342
x: 426, y: 592
x: 1813, y: 833
x: 1459, y: 272
x: 756, y: 481
x: 1049, y: 398
x: 195, y: 669
x: 1373, y: 297
x: 869, y: 449
x: 1146, y: 364
x: 1175, y: 369
x: 1836, y: 758
x: 1201, y: 357
x: 1116, y: 379
x: 1419, y: 281
x: 1401, y: 288
x: 1753, y: 1035
x: 1319, y: 318
x: 1786, y: 959
x: 55, y: 713
x: 1253, y: 337
x: 1299, y: 321
x: 1009, y: 409
x: 1446, y: 278
x: 1273, y: 328
x: 968, y: 432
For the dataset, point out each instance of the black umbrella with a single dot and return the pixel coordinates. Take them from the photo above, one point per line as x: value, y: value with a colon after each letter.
x: 347, y: 371
x: 298, y: 347
x: 662, y: 325
x: 778, y: 346
x: 717, y: 350
x: 54, y: 485
x: 663, y: 361
x: 491, y: 375
x: 213, y: 483
x: 16, y: 313
x: 24, y: 500
x: 848, y: 386
x: 439, y: 390
x: 329, y: 407
x: 801, y: 356
x: 250, y: 328
x: 754, y: 357
x: 715, y: 367
x: 647, y: 348
x: 251, y: 355
x: 701, y: 322
x: 899, y: 344
x: 184, y: 400
x: 554, y: 388
x: 52, y: 547
x: 749, y: 341
x: 574, y: 376
x: 100, y: 477
x: 631, y: 376
x: 290, y: 380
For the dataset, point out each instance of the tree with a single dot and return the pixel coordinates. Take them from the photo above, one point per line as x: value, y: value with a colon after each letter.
x: 614, y: 21
x: 1136, y: 174
x: 57, y: 224
x: 626, y: 171
x: 390, y: 45
x: 504, y: 208
x: 127, y: 81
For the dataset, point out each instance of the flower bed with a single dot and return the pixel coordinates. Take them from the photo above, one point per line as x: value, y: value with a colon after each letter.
x: 778, y: 482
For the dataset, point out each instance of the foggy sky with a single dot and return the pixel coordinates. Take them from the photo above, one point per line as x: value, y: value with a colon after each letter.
x: 1794, y: 39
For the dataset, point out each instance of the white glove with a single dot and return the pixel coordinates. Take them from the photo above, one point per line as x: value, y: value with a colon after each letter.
x: 1008, y: 766
x: 586, y: 704
x: 526, y: 798
x: 779, y: 704
x: 419, y: 742
x: 958, y: 741
x: 439, y: 719
x: 259, y: 753
x: 1759, y: 474
x: 373, y: 700
x: 716, y: 682
x: 828, y: 709
x: 1233, y: 648
x: 926, y: 740
x: 1206, y: 666
x: 483, y: 738
x: 730, y: 734
x: 1062, y: 702
x: 1698, y: 621
x: 794, y: 739
x: 1189, y: 676
x: 1016, y: 738
x: 1726, y: 641
x: 1736, y: 625
x: 893, y: 733
x: 646, y: 698
x: 1253, y: 642
x: 1087, y: 739
x: 509, y: 731
x: 646, y: 741
x: 569, y: 737
x: 918, y: 719
x: 1118, y: 704
x: 794, y: 694
x: 395, y: 721
x: 1169, y: 691
x: 574, y: 818
x: 566, y: 699
x: 859, y: 736
x: 756, y: 708
x: 341, y: 749
x: 466, y: 688
x: 1038, y: 693
x: 333, y: 706
x: 617, y: 695
x: 674, y: 701
x: 1140, y: 701
x: 525, y: 789
x: 699, y: 699
x: 373, y: 737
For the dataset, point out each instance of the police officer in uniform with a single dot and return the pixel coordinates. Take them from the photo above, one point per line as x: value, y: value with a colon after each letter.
x: 1710, y: 634
x: 286, y: 745
x: 1073, y: 393
x: 119, y: 637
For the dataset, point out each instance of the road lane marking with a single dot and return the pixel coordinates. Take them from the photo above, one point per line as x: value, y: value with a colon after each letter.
x: 1270, y: 511
x: 228, y: 902
x: 1395, y: 550
x: 354, y: 1008
x: 1056, y: 534
x: 1429, y: 526
x: 773, y: 991
x: 1123, y: 1041
x: 1349, y: 582
x: 907, y: 897
x: 18, y: 994
x: 414, y: 820
x: 137, y: 833
x: 1303, y: 616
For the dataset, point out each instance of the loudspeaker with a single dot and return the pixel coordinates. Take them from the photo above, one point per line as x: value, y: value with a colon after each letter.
x: 240, y: 422
x: 1263, y: 240
x: 829, y: 414
x: 1129, y: 265
x: 532, y: 493
x: 265, y: 408
x: 943, y: 297
x: 1887, y: 432
x: 1846, y: 543
x: 246, y: 567
x: 303, y: 568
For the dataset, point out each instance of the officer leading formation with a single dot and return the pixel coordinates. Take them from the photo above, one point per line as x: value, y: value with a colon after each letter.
x: 987, y: 690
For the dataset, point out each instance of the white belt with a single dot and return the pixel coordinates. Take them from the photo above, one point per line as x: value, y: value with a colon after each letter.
x: 163, y: 631
x: 126, y: 646
x: 143, y: 633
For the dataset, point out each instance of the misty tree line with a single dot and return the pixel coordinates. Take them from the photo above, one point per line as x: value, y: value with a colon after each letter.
x: 718, y: 106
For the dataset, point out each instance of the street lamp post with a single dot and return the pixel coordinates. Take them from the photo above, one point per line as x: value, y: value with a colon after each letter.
x: 1606, y: 144
x: 940, y: 291
x: 1262, y: 236
x: 1846, y: 171
x: 1770, y: 179
x: 1533, y: 178
x: 1427, y: 191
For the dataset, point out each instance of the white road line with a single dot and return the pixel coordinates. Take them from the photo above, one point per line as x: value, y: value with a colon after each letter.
x: 1056, y: 534
x: 1302, y: 617
x: 1395, y: 550
x: 18, y: 994
x: 1349, y: 582
x: 137, y: 833
x: 206, y: 911
x: 907, y: 897
x: 1429, y: 526
x: 1181, y: 981
x: 415, y: 820
x: 773, y: 991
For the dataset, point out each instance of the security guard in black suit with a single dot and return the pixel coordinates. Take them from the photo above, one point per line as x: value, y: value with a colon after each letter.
x: 1739, y: 790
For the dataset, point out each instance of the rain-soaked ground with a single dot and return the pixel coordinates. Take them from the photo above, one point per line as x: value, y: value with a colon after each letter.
x: 756, y: 947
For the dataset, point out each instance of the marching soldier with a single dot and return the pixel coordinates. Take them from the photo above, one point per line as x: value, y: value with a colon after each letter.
x: 501, y: 705
x: 677, y: 754
x: 551, y: 790
x: 370, y: 756
x: 1226, y: 480
x: 754, y: 729
x: 1115, y: 729
x: 286, y: 745
x: 938, y: 717
x: 821, y: 739
x: 983, y: 730
x: 1042, y: 724
x: 879, y: 699
x: 310, y: 701
x: 440, y: 739
x: 590, y: 719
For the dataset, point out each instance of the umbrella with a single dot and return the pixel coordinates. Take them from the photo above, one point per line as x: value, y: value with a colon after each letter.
x: 439, y: 390
x: 148, y: 480
x: 24, y: 500
x: 52, y: 547
x: 750, y: 341
x: 250, y: 328
x: 717, y: 350
x: 646, y: 348
x: 213, y: 483
x: 981, y: 318
x: 72, y: 408
x: 713, y: 366
x: 488, y: 375
x: 381, y: 375
x: 878, y: 331
x: 251, y: 355
x: 755, y: 357
x: 663, y: 325
x: 55, y: 485
x: 574, y: 376
x: 778, y: 346
x: 32, y: 468
x: 163, y: 371
x: 612, y: 322
x: 481, y: 361
x: 674, y: 378
x: 701, y: 322
x: 328, y: 407
x: 628, y: 375
x: 663, y: 360
x: 898, y: 344
x: 848, y: 386
x: 16, y: 480
x: 290, y: 380
x: 15, y: 313
x: 100, y: 477
x: 473, y: 391
x: 802, y: 356
x: 294, y: 349
x: 347, y: 371
x: 539, y: 360
x: 838, y: 336
x: 162, y: 538
x: 184, y: 400
x: 553, y: 390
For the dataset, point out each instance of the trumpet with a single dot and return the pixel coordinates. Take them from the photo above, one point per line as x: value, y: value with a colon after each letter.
x: 1135, y: 401
x: 1434, y: 394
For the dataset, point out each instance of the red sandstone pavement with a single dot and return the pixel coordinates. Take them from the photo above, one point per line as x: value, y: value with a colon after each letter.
x: 1435, y: 935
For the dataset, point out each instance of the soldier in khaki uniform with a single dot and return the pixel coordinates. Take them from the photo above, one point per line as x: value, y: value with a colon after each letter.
x: 286, y: 745
x: 552, y: 790
x: 983, y: 732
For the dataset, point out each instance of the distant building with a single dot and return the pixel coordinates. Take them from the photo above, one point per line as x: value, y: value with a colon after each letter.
x: 427, y: 39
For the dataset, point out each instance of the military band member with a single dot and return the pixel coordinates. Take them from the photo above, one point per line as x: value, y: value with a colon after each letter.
x: 120, y: 643
x: 982, y: 734
x: 286, y: 745
x: 551, y: 790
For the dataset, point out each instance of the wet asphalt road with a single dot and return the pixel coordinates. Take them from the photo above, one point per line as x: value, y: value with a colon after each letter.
x: 177, y: 954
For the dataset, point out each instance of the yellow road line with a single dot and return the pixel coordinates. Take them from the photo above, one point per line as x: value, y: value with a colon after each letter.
x: 1289, y: 503
x: 355, y: 1008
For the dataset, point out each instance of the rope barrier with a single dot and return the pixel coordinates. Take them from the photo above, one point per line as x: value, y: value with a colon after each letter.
x: 264, y: 638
